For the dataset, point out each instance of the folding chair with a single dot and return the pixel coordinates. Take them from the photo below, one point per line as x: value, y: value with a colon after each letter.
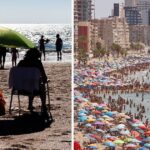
x: 26, y: 81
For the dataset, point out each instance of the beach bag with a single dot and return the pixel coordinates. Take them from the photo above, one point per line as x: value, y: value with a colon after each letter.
x: 2, y: 104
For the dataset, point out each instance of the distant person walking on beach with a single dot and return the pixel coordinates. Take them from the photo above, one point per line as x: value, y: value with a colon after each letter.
x: 2, y: 57
x: 15, y: 55
x: 59, y: 44
x: 42, y: 43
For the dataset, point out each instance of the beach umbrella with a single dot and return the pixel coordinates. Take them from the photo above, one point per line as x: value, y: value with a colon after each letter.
x: 12, y: 39
x: 143, y: 127
x: 147, y: 145
x: 130, y: 146
x: 135, y: 133
x: 83, y: 118
x: 146, y: 139
x: 92, y: 146
x: 88, y: 125
x: 147, y: 133
x: 98, y: 123
x: 119, y: 142
x: 97, y: 137
x: 125, y: 132
x: 109, y: 144
x: 135, y: 141
x: 143, y: 148
x: 120, y: 126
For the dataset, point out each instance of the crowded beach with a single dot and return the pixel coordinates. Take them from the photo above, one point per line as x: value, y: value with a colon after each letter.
x: 112, y: 104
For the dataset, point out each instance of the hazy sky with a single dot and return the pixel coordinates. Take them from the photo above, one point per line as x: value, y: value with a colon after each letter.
x: 104, y: 7
x: 35, y: 11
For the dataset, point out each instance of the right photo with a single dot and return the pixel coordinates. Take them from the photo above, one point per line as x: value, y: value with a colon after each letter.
x: 111, y: 75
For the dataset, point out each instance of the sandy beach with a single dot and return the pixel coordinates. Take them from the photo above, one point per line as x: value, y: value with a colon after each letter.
x: 57, y: 136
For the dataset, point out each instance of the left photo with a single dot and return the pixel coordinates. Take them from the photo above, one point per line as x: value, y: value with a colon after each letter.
x: 35, y: 74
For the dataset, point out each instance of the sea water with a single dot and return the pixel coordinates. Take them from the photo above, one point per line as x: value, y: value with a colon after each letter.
x: 34, y: 32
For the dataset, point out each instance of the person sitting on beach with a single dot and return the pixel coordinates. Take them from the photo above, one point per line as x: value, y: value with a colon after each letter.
x: 59, y: 44
x: 15, y: 54
x: 31, y: 59
x: 3, y: 51
x: 42, y: 43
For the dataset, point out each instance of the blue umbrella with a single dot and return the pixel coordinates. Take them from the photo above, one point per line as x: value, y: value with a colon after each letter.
x: 143, y: 148
x: 146, y: 139
x: 81, y: 114
x: 109, y: 113
x: 92, y: 147
x: 147, y: 145
x: 83, y: 118
x: 110, y: 144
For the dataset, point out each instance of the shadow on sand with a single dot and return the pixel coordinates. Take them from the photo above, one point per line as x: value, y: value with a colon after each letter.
x: 27, y: 123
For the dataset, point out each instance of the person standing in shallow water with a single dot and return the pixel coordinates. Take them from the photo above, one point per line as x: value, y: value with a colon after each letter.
x: 15, y: 55
x: 3, y: 51
x: 59, y: 44
x: 42, y: 43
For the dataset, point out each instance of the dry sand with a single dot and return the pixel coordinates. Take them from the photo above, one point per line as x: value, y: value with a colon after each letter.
x: 57, y: 136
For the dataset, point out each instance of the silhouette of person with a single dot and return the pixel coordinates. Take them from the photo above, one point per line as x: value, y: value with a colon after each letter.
x: 59, y: 44
x: 15, y: 54
x: 32, y: 59
x: 2, y: 56
x: 42, y: 43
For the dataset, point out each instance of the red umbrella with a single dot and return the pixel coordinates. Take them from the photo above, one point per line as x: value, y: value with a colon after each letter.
x: 97, y: 137
x: 143, y: 127
x: 147, y: 133
x: 135, y: 133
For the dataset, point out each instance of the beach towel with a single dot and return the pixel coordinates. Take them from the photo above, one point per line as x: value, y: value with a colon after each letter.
x: 24, y: 78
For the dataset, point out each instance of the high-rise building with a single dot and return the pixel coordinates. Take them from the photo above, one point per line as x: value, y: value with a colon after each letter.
x: 118, y: 10
x: 83, y: 10
x: 137, y: 12
x: 140, y: 34
x: 144, y: 7
x: 133, y: 16
x: 83, y: 14
x: 130, y: 3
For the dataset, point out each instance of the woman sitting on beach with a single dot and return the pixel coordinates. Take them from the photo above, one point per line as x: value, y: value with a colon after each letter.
x: 31, y: 59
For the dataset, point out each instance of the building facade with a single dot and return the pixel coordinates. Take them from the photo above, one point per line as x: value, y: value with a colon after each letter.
x: 140, y: 34
x: 113, y: 30
x: 84, y: 36
x: 133, y: 15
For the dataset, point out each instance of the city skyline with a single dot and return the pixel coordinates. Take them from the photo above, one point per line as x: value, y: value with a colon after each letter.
x: 36, y: 11
x: 103, y: 9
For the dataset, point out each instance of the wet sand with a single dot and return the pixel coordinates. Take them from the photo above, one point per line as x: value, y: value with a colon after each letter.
x: 57, y: 136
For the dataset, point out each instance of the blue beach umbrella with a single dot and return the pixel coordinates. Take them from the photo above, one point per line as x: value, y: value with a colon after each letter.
x: 146, y: 139
x: 109, y: 144
x: 83, y: 118
x: 92, y: 147
x: 147, y: 145
x: 143, y: 148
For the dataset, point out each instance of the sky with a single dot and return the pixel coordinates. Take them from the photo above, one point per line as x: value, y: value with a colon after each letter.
x: 103, y: 7
x: 35, y: 11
